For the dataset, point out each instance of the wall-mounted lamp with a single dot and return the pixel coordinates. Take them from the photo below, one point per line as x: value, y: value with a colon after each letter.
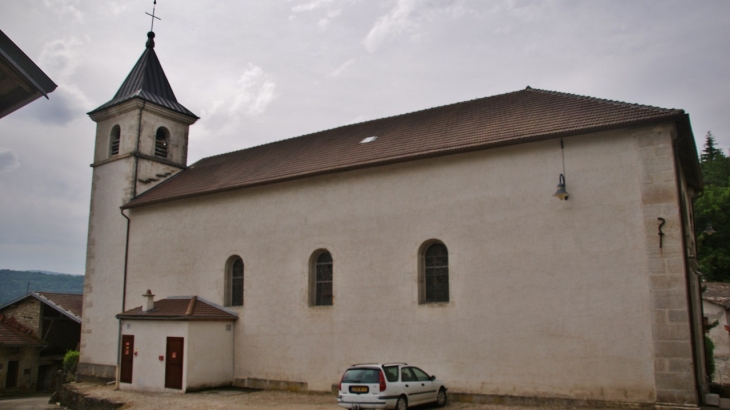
x: 561, y: 193
x: 708, y: 230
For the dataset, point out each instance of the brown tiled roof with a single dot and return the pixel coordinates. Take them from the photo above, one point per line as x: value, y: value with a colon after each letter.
x: 70, y: 302
x: 717, y: 293
x: 181, y: 308
x: 521, y: 116
x: 13, y: 333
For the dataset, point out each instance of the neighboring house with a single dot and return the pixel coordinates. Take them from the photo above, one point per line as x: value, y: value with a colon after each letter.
x: 18, y: 356
x: 715, y: 305
x: 21, y: 81
x: 432, y: 237
x: 54, y: 319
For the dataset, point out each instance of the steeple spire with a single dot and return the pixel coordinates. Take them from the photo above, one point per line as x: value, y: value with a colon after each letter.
x: 148, y: 82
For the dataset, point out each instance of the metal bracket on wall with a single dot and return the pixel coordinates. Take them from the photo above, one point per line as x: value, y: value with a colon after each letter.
x: 661, y: 234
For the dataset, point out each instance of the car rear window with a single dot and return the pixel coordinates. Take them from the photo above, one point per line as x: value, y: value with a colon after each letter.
x: 391, y: 373
x: 367, y: 375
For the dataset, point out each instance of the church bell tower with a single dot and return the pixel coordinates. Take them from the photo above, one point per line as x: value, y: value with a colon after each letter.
x: 141, y: 140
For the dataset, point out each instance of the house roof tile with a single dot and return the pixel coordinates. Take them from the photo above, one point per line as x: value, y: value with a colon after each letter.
x: 13, y: 333
x: 181, y: 308
x: 521, y: 116
x: 72, y: 303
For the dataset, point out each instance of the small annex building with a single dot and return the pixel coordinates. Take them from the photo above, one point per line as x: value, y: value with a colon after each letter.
x: 52, y: 318
x: 435, y: 238
x: 176, y: 344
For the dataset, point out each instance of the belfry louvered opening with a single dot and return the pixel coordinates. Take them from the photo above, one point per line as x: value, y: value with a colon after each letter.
x: 162, y: 142
x: 114, y: 140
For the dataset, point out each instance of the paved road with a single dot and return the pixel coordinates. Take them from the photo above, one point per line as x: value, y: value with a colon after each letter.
x: 31, y: 403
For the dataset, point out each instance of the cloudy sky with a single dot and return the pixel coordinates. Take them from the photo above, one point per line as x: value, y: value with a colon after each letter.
x: 262, y: 70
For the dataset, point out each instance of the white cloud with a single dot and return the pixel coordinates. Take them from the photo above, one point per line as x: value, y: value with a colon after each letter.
x: 256, y: 90
x: 117, y: 8
x: 8, y: 160
x: 407, y: 17
x: 343, y: 67
x: 59, y: 57
x: 332, y: 10
x: 66, y: 8
x: 312, y: 5
x: 395, y: 22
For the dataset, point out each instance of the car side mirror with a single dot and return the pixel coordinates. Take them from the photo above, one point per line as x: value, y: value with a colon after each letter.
x: 432, y: 377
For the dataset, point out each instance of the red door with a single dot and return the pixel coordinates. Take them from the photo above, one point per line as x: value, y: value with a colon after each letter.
x: 125, y: 375
x: 174, y: 363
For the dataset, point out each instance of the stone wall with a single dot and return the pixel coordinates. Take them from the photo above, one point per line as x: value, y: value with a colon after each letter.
x: 27, y: 358
x: 27, y: 312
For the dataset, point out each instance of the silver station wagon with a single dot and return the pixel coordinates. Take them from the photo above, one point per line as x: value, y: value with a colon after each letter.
x: 388, y: 386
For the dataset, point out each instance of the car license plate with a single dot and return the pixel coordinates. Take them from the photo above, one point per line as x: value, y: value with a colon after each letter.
x: 359, y: 389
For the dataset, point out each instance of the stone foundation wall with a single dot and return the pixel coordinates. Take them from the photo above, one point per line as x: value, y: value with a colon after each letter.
x: 89, y: 372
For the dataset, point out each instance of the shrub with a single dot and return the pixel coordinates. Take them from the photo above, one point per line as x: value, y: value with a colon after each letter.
x: 70, y: 362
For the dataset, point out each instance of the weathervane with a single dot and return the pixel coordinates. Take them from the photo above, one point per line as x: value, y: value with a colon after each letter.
x: 152, y: 26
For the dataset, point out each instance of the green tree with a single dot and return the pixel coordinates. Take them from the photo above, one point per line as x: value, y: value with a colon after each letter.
x: 713, y: 207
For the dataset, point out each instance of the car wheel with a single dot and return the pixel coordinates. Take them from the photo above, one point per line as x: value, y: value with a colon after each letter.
x: 402, y: 403
x: 441, y: 398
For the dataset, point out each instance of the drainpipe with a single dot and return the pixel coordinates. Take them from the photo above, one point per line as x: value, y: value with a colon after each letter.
x: 124, y: 302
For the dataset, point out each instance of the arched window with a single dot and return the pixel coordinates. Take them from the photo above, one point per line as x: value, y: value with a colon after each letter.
x: 234, y: 282
x: 162, y: 141
x: 114, y: 139
x: 435, y: 274
x: 321, y: 279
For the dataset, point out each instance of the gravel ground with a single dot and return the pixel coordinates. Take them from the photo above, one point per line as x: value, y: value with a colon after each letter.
x: 247, y: 399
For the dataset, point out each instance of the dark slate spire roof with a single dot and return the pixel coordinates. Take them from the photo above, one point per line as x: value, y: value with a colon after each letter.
x: 148, y: 82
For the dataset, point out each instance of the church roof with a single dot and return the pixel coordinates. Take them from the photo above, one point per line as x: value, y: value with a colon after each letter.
x: 506, y: 119
x: 181, y: 308
x: 147, y: 81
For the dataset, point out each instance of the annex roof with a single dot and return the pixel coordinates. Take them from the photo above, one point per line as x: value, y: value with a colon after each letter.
x: 21, y: 80
x: 14, y: 334
x: 717, y: 293
x: 506, y: 119
x: 181, y: 308
x: 147, y: 81
x: 68, y: 304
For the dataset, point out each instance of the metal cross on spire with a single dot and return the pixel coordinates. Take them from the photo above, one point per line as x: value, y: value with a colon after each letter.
x: 154, y: 5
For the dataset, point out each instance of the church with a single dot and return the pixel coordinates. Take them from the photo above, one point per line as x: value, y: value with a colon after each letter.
x: 530, y: 245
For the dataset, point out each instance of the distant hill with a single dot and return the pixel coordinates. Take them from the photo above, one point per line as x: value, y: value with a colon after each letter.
x: 14, y: 283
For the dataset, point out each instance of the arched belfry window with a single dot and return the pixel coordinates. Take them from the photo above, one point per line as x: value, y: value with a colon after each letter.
x: 434, y: 273
x: 234, y: 282
x: 162, y: 142
x: 114, y: 140
x: 321, y: 279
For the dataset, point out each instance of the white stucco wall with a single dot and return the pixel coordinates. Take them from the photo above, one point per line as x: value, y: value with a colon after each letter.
x: 113, y: 184
x: 150, y: 342
x: 104, y: 279
x: 207, y: 353
x: 548, y: 297
x: 210, y: 354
